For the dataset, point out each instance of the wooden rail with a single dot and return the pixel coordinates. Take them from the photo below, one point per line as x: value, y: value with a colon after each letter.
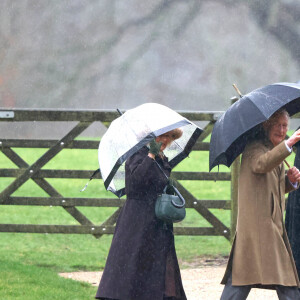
x: 83, y: 119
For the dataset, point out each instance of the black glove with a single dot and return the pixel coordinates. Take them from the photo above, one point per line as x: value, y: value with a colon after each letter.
x: 170, y: 186
x: 154, y: 147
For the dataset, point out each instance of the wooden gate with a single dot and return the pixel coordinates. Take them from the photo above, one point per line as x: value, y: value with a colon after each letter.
x: 83, y: 120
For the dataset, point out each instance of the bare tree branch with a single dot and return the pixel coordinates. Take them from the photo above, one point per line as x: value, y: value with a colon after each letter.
x: 104, y: 48
x: 188, y: 18
x: 156, y: 13
x: 280, y: 19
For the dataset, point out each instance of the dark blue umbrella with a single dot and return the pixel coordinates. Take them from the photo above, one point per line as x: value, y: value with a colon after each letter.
x: 234, y: 128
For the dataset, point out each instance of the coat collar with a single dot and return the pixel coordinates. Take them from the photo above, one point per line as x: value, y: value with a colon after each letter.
x: 268, y: 143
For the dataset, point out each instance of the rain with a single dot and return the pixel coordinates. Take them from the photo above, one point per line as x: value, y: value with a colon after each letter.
x: 109, y: 54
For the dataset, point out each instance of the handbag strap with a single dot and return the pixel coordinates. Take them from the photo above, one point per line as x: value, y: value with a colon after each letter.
x: 172, y: 200
x: 178, y: 205
x: 175, y: 190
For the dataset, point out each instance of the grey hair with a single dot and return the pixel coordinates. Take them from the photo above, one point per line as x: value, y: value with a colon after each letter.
x: 280, y: 112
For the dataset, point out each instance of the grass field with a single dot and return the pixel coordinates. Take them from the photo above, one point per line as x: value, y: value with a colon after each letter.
x: 30, y: 262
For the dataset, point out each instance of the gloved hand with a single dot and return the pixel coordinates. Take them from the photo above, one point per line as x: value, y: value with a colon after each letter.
x: 154, y: 147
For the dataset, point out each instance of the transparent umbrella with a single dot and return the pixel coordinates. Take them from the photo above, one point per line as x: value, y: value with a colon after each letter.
x: 134, y: 129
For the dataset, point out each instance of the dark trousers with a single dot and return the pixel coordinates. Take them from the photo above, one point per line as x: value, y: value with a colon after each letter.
x: 231, y: 292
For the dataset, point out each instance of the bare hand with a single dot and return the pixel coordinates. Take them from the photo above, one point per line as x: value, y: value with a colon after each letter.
x: 293, y: 174
x: 295, y: 137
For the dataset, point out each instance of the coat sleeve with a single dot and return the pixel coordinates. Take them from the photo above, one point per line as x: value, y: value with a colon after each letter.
x: 144, y: 171
x: 264, y: 162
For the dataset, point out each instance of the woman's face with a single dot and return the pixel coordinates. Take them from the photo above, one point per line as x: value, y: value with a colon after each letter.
x: 166, y: 139
x: 278, y: 129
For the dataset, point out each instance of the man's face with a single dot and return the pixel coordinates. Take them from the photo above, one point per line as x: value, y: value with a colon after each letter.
x: 278, y: 129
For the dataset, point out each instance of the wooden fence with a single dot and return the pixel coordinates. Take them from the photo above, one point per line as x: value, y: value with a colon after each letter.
x: 83, y: 120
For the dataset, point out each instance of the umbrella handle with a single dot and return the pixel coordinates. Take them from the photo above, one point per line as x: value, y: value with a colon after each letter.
x: 287, y: 164
x: 175, y: 189
x: 119, y: 112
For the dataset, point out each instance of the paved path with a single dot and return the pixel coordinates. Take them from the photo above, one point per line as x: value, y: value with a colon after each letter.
x: 199, y: 284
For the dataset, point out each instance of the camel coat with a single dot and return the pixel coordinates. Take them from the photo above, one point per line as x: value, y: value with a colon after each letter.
x: 261, y: 253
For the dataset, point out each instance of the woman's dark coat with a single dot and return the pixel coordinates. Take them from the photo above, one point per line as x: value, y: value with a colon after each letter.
x: 292, y: 219
x: 142, y: 262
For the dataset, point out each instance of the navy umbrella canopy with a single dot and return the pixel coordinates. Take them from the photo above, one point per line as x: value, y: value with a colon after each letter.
x: 234, y: 128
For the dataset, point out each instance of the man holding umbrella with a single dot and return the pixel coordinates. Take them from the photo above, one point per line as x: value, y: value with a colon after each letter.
x: 261, y: 255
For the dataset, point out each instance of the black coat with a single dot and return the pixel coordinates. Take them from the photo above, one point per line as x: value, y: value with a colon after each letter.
x: 292, y: 219
x: 142, y: 262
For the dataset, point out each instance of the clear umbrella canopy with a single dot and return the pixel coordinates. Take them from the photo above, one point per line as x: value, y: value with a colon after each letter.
x: 134, y: 129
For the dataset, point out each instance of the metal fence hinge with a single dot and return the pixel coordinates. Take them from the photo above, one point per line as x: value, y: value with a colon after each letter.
x: 7, y: 114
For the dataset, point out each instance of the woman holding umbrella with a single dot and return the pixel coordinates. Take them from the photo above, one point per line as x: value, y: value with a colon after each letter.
x: 261, y: 255
x: 142, y: 262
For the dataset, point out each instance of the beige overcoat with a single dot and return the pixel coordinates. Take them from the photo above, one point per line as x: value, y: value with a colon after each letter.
x: 261, y: 253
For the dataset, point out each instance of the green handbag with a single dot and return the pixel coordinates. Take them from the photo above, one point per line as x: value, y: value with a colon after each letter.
x: 170, y: 208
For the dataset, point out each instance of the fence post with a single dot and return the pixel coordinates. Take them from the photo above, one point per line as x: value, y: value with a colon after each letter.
x: 235, y: 170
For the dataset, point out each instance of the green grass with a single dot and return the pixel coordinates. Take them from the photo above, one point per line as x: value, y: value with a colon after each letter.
x: 30, y: 262
x: 28, y: 282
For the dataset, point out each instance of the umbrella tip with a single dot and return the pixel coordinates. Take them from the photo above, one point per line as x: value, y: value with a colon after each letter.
x: 119, y: 112
x: 238, y: 91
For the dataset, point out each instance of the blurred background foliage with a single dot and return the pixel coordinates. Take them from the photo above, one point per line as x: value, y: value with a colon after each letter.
x: 112, y: 53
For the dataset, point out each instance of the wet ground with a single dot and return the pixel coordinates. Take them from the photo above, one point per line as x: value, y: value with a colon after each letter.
x: 201, y: 280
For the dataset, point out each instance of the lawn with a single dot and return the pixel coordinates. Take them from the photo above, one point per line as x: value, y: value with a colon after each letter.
x: 30, y: 262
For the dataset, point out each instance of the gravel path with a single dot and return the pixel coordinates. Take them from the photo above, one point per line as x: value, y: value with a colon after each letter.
x: 202, y: 283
